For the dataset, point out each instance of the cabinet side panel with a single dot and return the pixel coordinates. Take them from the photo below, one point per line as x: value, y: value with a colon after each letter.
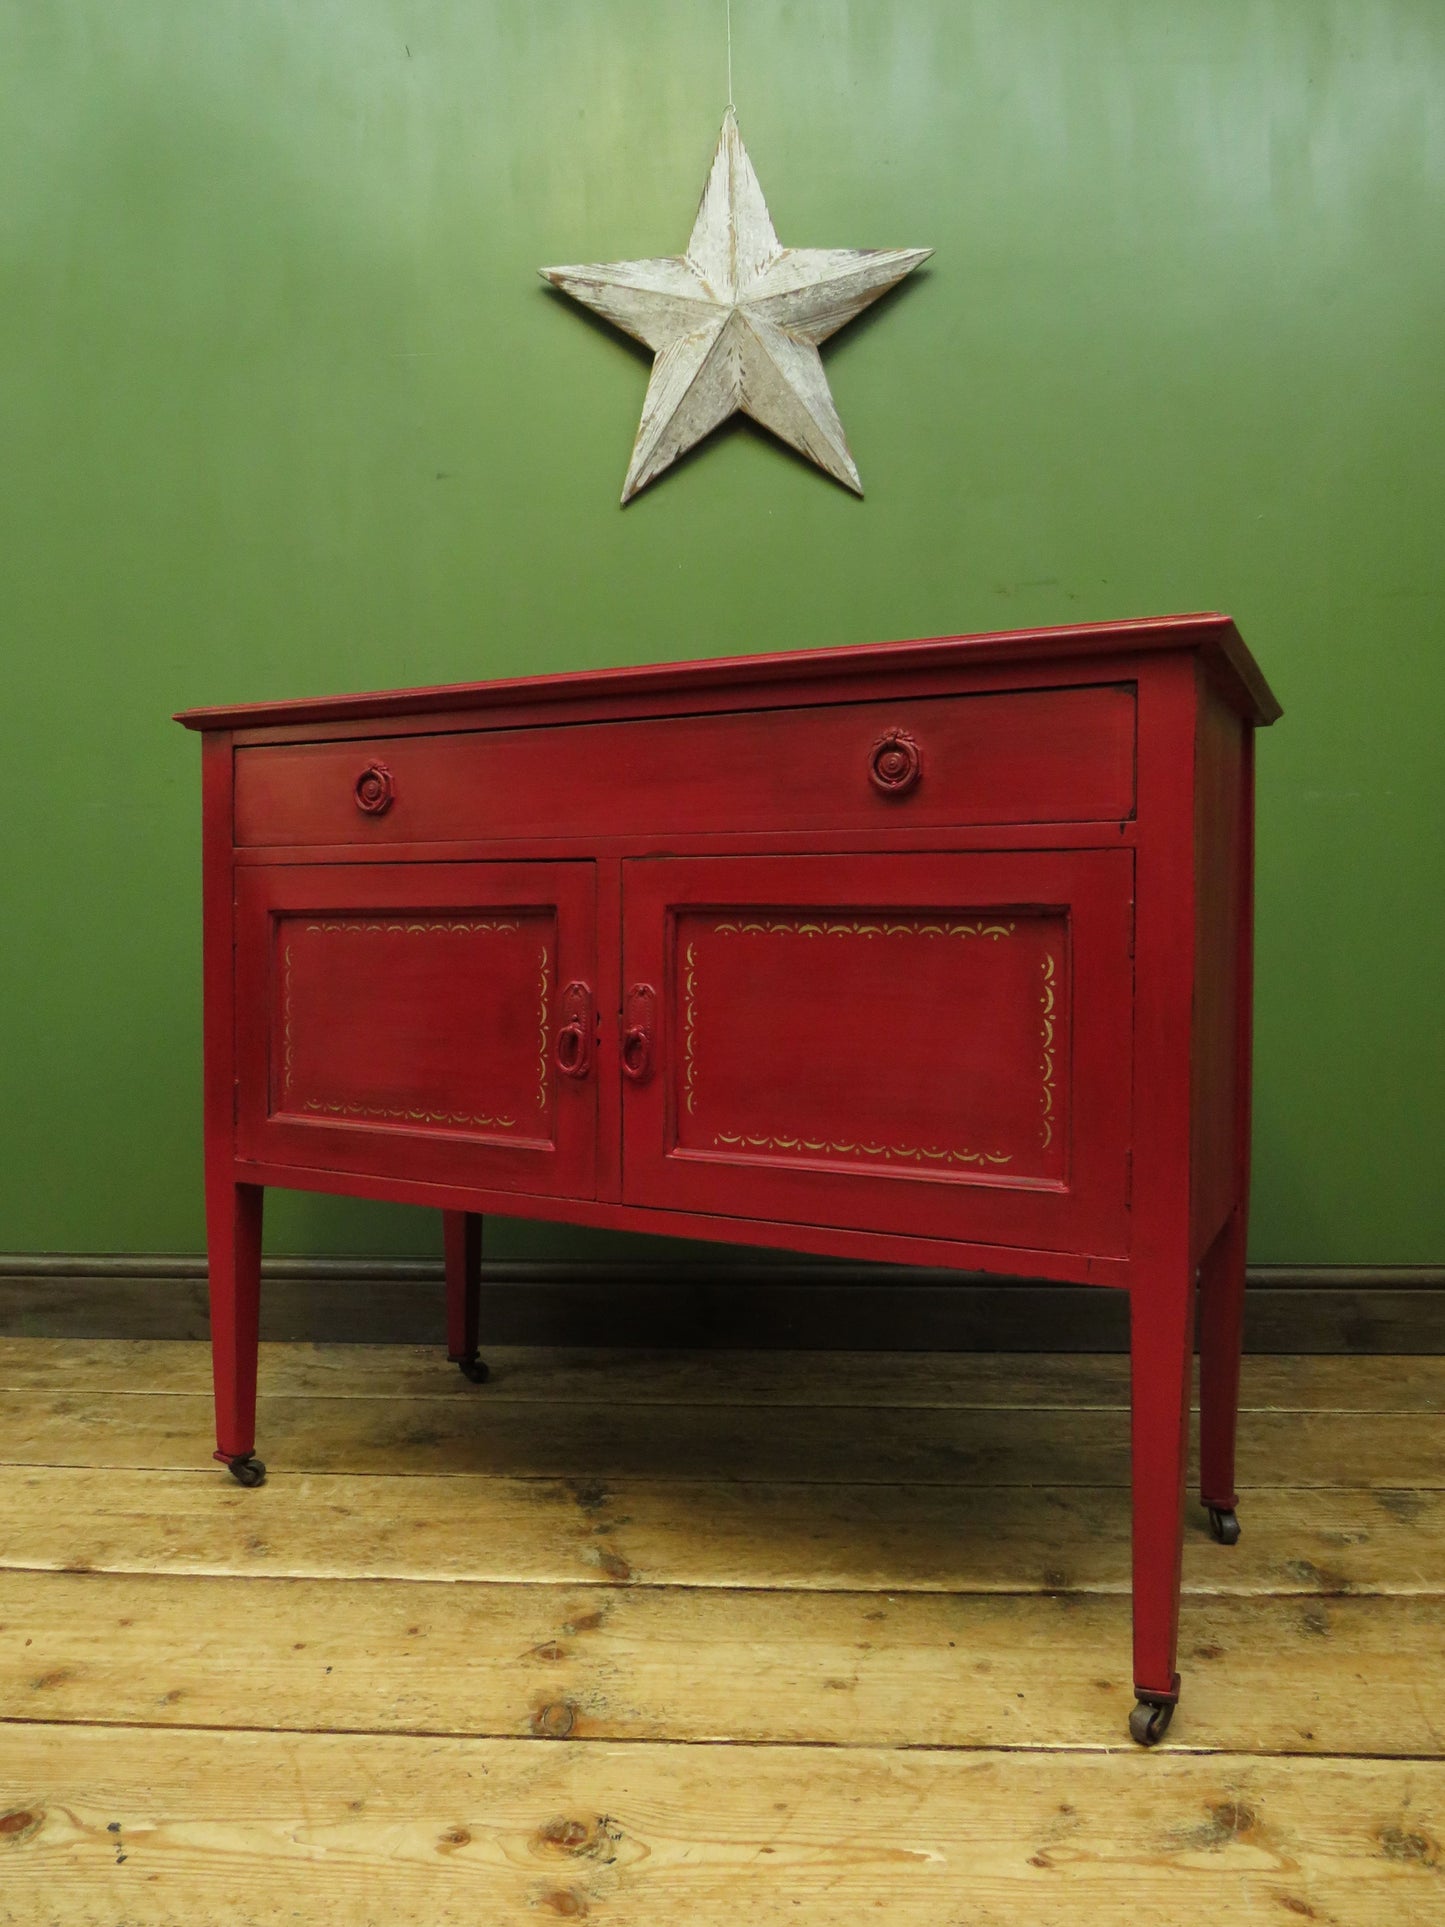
x: 218, y: 941
x: 1221, y: 842
x: 1164, y: 963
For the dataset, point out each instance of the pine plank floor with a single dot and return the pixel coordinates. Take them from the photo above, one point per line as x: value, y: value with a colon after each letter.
x: 647, y: 1638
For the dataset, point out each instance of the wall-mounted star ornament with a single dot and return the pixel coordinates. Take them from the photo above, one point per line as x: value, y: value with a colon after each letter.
x: 735, y: 323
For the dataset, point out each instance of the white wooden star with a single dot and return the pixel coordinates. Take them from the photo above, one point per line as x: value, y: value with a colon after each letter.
x: 734, y: 323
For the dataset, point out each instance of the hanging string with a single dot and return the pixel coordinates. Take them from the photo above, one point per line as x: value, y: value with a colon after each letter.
x: 730, y: 53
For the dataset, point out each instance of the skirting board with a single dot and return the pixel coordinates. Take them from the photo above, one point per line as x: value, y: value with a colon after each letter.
x: 783, y: 1305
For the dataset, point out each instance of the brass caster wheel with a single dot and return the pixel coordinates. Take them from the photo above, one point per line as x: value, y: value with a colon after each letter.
x: 1149, y: 1722
x: 474, y: 1368
x: 247, y: 1470
x: 1224, y: 1524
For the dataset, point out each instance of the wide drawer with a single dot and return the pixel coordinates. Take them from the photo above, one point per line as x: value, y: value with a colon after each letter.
x: 1022, y: 756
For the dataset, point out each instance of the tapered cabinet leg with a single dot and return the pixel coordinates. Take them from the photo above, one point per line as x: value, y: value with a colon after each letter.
x: 1161, y: 1343
x: 233, y: 1251
x: 462, y: 1238
x: 1221, y: 1340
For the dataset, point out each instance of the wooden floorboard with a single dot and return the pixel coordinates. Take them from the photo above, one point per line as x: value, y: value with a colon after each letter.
x: 1366, y: 1674
x: 502, y: 1438
x: 118, y: 1826
x: 701, y: 1533
x: 646, y: 1638
x: 530, y: 1375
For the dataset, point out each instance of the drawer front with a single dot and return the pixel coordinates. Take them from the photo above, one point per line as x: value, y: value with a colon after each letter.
x: 432, y: 1021
x: 934, y: 1044
x: 1024, y: 756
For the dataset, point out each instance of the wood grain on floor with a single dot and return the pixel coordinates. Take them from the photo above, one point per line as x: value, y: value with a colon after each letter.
x: 646, y: 1638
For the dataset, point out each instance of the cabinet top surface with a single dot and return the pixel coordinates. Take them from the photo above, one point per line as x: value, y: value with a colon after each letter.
x: 1210, y: 635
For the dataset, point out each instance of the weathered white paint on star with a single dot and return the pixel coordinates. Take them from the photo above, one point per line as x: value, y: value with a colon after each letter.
x: 735, y: 323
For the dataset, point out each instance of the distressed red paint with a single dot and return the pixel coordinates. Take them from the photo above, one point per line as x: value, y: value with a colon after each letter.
x: 927, y: 951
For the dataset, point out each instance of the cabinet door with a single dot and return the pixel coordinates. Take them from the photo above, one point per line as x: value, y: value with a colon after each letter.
x: 432, y: 1021
x: 931, y: 1044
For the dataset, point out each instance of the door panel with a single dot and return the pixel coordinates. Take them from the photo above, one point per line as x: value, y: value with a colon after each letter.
x: 932, y: 1043
x: 421, y: 1021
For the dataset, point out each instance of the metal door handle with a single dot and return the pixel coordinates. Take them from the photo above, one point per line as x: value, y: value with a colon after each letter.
x: 573, y: 1050
x: 637, y: 1033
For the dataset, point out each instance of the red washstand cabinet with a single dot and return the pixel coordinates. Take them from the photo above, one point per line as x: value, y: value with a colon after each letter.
x: 933, y: 952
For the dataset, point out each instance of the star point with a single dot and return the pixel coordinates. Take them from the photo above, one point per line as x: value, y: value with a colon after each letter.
x: 734, y: 323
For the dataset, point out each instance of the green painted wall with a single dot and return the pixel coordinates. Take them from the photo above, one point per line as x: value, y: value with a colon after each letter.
x: 287, y: 411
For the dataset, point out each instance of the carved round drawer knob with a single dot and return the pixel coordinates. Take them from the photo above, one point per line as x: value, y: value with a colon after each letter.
x: 375, y: 791
x: 894, y: 763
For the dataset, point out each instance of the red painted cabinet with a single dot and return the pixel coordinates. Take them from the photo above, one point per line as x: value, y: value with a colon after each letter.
x: 932, y: 952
